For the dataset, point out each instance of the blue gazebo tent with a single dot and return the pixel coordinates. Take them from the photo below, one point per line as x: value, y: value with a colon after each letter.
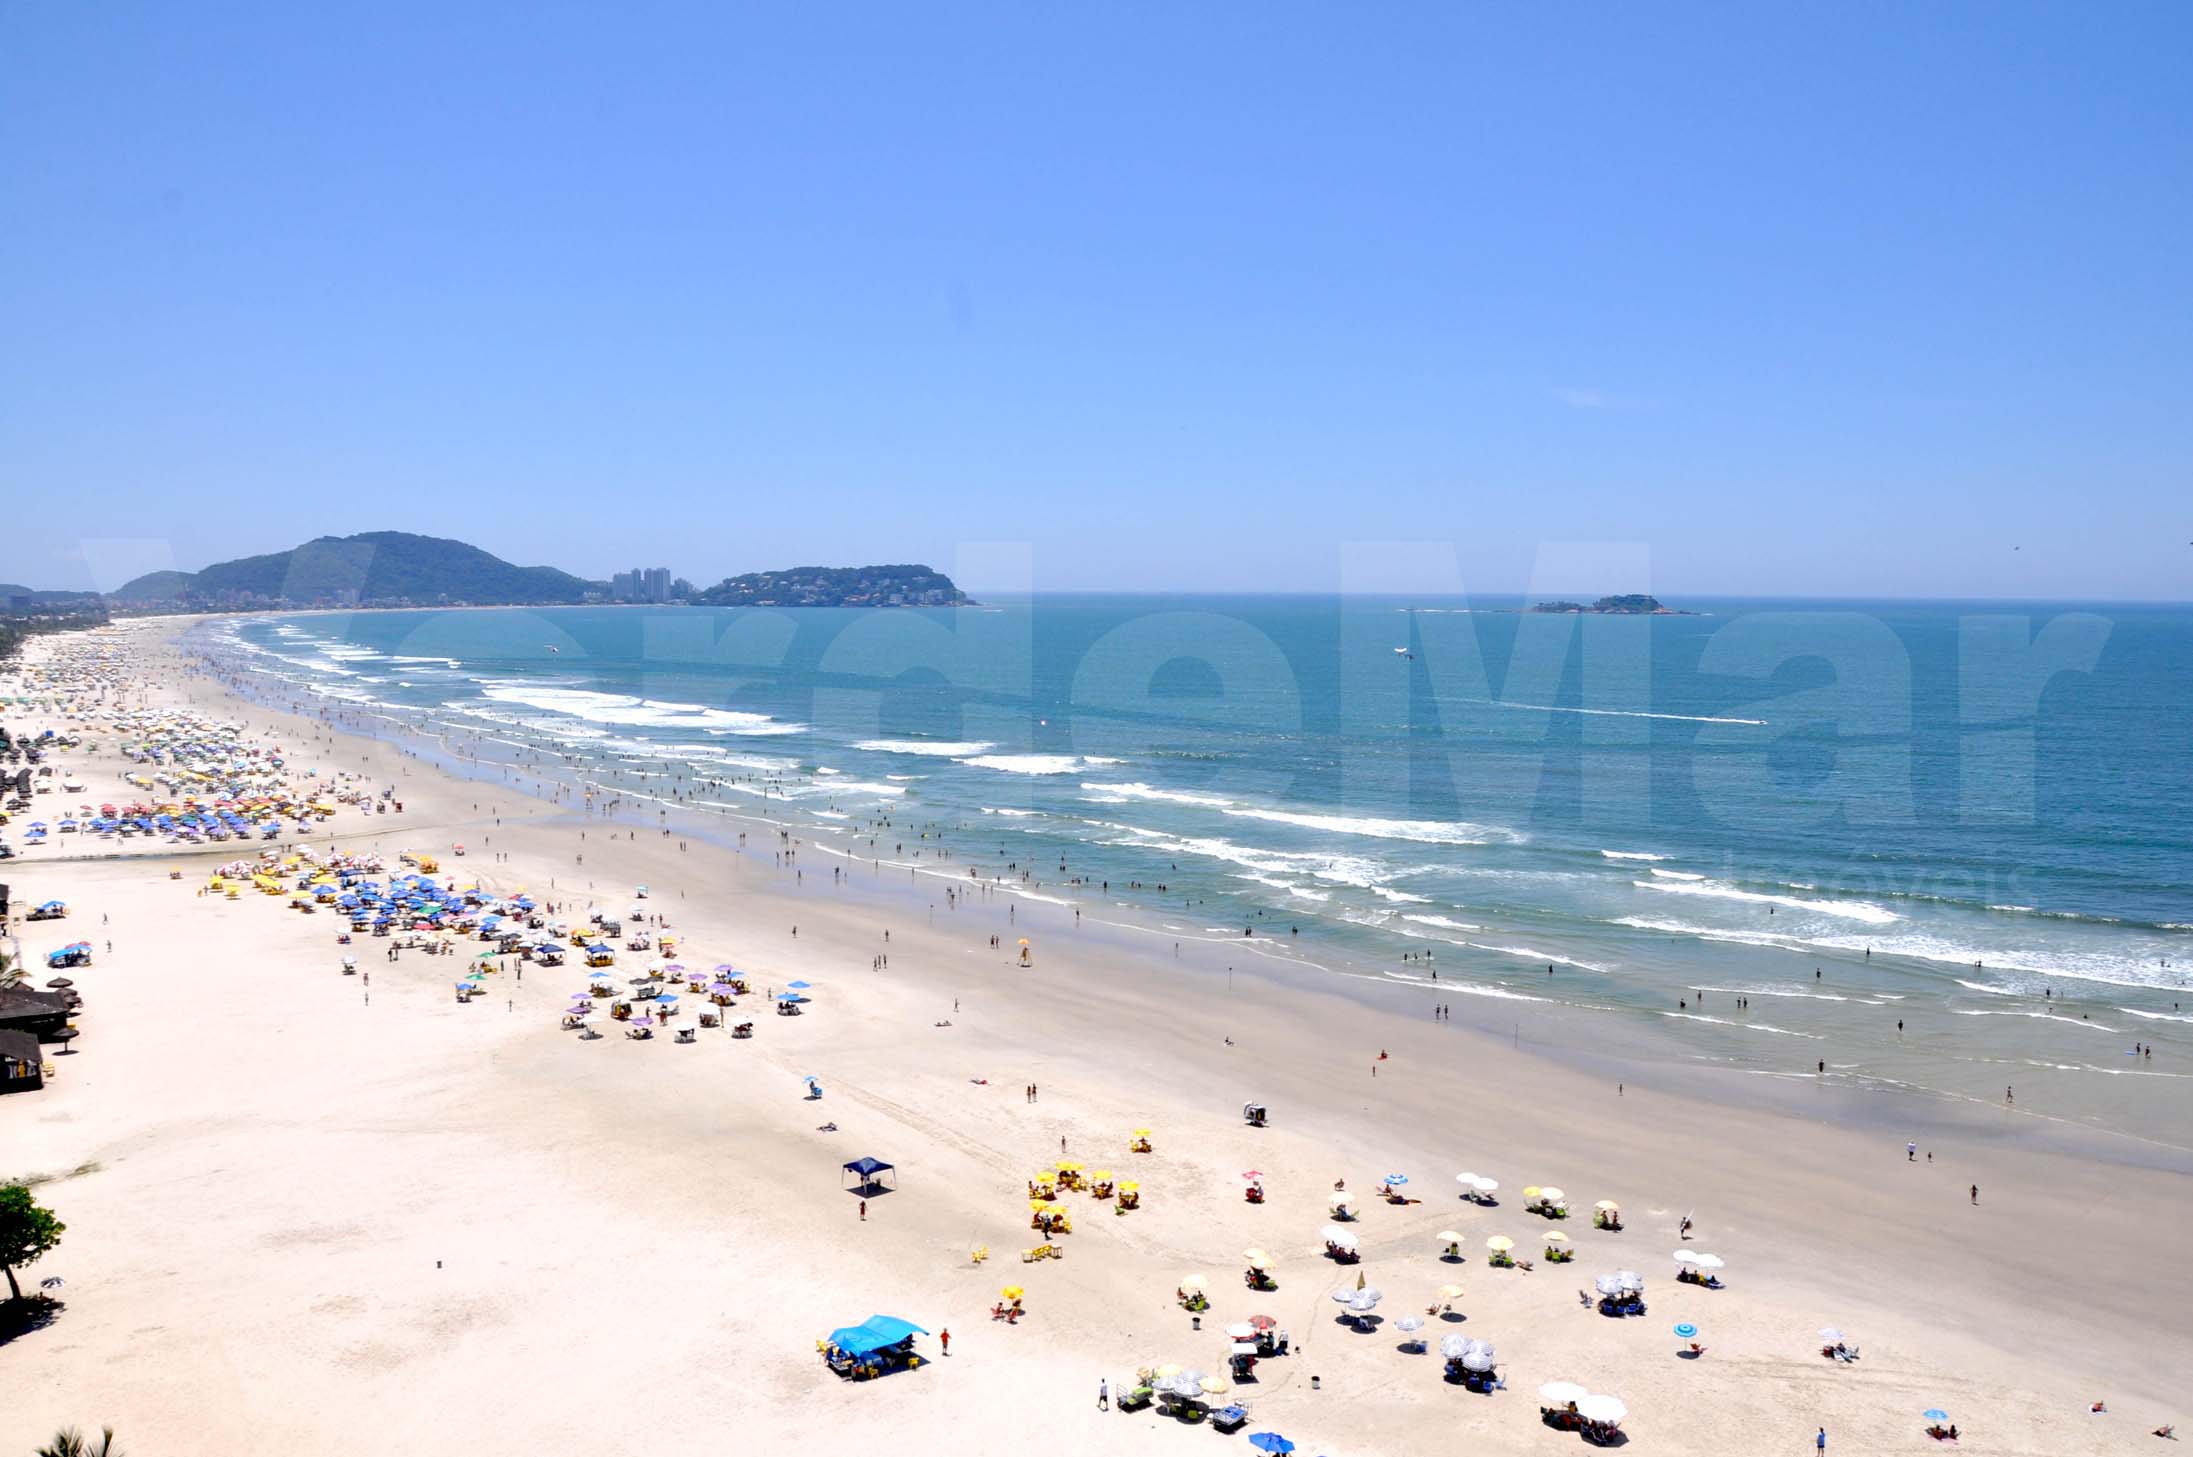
x: 874, y: 1333
x: 868, y: 1169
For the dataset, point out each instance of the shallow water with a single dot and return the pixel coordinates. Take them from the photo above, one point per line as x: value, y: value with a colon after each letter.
x: 1970, y: 818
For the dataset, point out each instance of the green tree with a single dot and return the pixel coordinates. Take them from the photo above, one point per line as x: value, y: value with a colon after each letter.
x: 69, y: 1442
x: 26, y: 1232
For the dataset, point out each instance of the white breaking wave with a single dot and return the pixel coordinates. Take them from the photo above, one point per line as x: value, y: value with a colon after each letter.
x: 618, y: 708
x: 1168, y: 796
x: 1443, y: 923
x: 1014, y: 814
x: 1746, y: 1026
x: 1531, y: 954
x: 933, y: 747
x: 1629, y: 713
x: 1853, y: 910
x: 1034, y: 763
x: 1630, y: 855
x: 1676, y: 874
x: 2155, y: 1016
x: 2037, y: 1016
x: 1399, y: 897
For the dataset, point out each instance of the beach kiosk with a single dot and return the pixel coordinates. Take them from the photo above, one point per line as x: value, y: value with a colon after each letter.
x: 876, y: 1347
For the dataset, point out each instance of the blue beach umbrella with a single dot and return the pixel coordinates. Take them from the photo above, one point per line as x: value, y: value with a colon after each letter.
x: 1935, y: 1414
x: 1397, y: 1178
x: 1686, y: 1330
x: 798, y: 986
x: 1270, y: 1442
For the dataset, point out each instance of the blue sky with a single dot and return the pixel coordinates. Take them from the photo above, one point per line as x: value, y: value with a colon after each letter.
x: 1829, y: 299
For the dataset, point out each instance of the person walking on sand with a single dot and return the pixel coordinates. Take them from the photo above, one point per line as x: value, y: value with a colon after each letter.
x: 1975, y: 1193
x: 944, y: 1339
x: 864, y: 1211
x: 1104, y: 1394
x: 1820, y: 1443
x: 1911, y: 1153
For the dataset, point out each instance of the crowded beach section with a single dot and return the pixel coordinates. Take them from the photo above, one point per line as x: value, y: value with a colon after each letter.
x: 385, y: 1107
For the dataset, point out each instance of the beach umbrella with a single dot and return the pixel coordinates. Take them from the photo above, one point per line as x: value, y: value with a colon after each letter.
x: 1262, y: 1322
x: 1270, y: 1442
x: 1449, y: 1237
x: 1552, y: 1195
x: 1450, y: 1292
x: 1479, y: 1358
x: 1190, y: 1282
x: 1241, y: 1330
x: 1214, y: 1386
x: 1454, y: 1347
x: 1500, y: 1244
x: 1602, y: 1408
x: 51, y: 1282
x: 1487, y: 1186
x: 1608, y: 1284
x: 1411, y: 1322
x: 1935, y: 1414
x: 1343, y: 1295
x: 1556, y: 1237
x: 1166, y: 1372
x: 1830, y: 1333
x: 1711, y: 1262
x: 1531, y: 1191
x: 1257, y: 1258
x: 1395, y: 1180
x: 1686, y: 1330
x: 1252, y: 1175
x: 1685, y: 1257
x: 1335, y: 1234
x: 1606, y: 1204
x: 1012, y: 1292
x: 1465, y: 1178
x: 1561, y: 1393
x: 798, y: 986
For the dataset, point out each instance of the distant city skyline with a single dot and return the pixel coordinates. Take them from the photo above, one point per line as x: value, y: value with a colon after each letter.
x: 1887, y: 303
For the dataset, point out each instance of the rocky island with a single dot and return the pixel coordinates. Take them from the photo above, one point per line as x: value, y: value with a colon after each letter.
x: 1626, y: 604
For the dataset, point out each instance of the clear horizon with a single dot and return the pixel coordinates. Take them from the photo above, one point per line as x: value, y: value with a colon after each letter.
x: 1885, y: 305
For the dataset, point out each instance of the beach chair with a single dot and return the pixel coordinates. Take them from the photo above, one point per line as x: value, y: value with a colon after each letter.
x: 1230, y: 1418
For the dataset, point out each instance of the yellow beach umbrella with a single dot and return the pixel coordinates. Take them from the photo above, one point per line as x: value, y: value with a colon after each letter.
x: 1449, y: 1237
x: 1257, y: 1258
x: 1037, y: 1206
x: 1194, y: 1282
x: 1532, y: 1191
x: 1068, y: 1166
x: 1142, y: 1133
x: 1215, y: 1385
x: 1054, y: 1207
x: 1167, y: 1371
x: 1129, y: 1185
x: 1606, y: 1204
x: 1500, y: 1244
x: 1012, y: 1292
x: 1450, y: 1292
x: 1100, y: 1176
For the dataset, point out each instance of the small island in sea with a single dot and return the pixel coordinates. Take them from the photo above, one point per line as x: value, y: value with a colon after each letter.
x: 1626, y: 604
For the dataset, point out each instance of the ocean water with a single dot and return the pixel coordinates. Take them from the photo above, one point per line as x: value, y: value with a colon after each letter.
x: 1977, y: 818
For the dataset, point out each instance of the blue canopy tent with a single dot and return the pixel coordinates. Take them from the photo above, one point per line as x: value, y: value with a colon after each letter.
x: 868, y: 1169
x: 874, y: 1334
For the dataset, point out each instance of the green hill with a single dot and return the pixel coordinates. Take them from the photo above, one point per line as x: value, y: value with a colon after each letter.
x: 371, y: 567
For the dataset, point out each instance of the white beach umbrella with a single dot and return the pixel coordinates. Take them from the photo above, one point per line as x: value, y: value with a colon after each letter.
x: 1711, y: 1262
x: 1608, y: 1284
x: 1561, y: 1393
x: 1601, y: 1408
x: 1465, y: 1179
x: 1343, y: 1296
x: 1487, y: 1186
x: 1830, y: 1333
x: 1478, y: 1358
x: 1411, y: 1323
x: 1241, y: 1330
x: 1552, y: 1195
x: 1334, y: 1232
x: 1685, y: 1257
x: 1454, y: 1347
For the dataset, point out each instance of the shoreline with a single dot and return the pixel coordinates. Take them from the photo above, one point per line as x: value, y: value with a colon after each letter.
x: 490, y: 1141
x: 1572, y: 1034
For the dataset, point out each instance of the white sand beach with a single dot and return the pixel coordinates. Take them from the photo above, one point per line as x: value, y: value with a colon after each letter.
x: 350, y: 1214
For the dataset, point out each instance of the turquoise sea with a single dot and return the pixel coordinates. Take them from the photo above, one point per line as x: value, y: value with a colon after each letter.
x: 1973, y: 818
